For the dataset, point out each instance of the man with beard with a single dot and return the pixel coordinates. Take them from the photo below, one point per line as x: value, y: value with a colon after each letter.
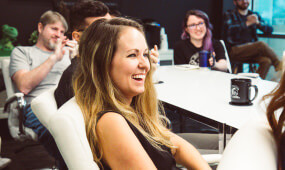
x: 240, y: 35
x: 37, y: 68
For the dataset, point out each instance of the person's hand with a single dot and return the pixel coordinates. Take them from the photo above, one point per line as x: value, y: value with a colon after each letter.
x: 252, y: 19
x: 72, y: 46
x: 59, y: 51
x: 154, y: 56
x: 211, y: 60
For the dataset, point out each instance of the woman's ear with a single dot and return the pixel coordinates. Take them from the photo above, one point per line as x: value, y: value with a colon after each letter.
x: 186, y: 30
x: 76, y: 35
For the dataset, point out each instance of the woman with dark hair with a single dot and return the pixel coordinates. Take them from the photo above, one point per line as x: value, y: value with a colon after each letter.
x: 276, y: 117
x: 113, y: 87
x: 197, y: 36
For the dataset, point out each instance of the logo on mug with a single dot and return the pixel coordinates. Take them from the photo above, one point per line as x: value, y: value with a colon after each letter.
x: 235, y: 90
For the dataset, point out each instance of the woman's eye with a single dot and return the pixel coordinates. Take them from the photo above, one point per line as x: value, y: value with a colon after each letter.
x: 132, y: 55
x: 146, y: 55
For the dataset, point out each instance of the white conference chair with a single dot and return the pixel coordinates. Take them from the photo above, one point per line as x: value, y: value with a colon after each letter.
x: 44, y: 106
x: 14, y: 105
x: 3, y: 161
x: 251, y: 65
x: 67, y: 127
x: 227, y: 57
x: 251, y: 148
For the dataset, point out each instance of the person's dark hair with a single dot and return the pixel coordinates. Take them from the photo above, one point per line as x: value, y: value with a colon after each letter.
x: 277, y: 104
x: 207, y: 42
x: 114, y: 12
x: 84, y: 9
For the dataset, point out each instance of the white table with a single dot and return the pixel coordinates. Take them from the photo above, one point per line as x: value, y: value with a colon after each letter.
x: 206, y: 95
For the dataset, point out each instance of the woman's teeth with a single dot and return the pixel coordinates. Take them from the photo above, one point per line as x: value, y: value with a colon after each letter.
x: 138, y: 76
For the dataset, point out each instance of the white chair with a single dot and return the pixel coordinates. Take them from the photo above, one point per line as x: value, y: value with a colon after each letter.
x: 67, y: 127
x: 227, y: 57
x: 17, y: 131
x: 251, y: 148
x: 44, y: 106
x: 3, y: 161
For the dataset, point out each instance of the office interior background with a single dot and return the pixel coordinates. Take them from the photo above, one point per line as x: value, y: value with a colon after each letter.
x: 24, y: 15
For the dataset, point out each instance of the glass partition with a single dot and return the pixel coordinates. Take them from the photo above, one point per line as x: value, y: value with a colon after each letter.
x: 272, y: 11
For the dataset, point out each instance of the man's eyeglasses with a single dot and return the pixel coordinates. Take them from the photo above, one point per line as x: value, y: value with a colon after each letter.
x: 195, y: 26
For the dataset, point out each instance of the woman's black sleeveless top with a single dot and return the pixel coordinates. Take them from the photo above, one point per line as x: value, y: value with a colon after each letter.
x: 163, y: 160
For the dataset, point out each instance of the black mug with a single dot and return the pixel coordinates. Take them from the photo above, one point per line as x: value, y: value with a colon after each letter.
x: 241, y: 91
x: 204, y: 57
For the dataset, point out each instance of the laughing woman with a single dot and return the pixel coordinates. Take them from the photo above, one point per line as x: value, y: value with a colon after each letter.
x: 197, y: 36
x: 113, y: 87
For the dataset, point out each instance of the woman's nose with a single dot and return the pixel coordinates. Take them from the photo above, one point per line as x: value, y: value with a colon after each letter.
x: 144, y: 62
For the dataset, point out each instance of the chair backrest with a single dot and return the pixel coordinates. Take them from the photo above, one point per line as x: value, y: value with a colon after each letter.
x: 252, y: 147
x: 7, y: 80
x: 227, y: 56
x: 44, y: 106
x: 13, y: 116
x: 67, y: 127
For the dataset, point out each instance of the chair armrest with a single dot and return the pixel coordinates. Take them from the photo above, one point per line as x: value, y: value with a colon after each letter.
x: 19, y: 97
x: 212, y: 158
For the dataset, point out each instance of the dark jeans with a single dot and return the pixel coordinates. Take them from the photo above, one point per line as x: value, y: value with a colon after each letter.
x: 45, y: 138
x: 258, y: 52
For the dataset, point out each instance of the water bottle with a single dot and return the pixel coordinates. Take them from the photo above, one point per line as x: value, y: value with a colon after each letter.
x: 163, y: 39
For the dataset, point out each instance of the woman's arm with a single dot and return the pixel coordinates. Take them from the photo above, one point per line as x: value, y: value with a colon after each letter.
x: 187, y: 155
x: 121, y: 148
x: 221, y: 62
x: 221, y: 65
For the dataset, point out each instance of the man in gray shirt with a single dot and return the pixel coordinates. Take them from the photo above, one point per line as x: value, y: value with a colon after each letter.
x: 37, y: 68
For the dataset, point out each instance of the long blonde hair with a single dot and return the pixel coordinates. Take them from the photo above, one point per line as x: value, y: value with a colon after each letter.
x: 96, y: 92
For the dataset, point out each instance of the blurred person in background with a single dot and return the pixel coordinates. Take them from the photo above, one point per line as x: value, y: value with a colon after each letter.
x: 196, y: 37
x: 240, y: 26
